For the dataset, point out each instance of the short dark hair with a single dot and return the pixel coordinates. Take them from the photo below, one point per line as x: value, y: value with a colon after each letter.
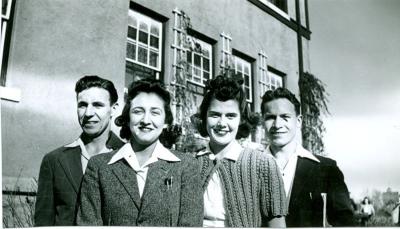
x: 226, y: 87
x: 147, y: 85
x: 90, y: 81
x: 280, y: 93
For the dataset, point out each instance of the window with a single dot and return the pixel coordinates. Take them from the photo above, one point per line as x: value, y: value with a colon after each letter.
x: 144, y: 47
x: 243, y: 68
x: 270, y: 78
x: 199, y: 61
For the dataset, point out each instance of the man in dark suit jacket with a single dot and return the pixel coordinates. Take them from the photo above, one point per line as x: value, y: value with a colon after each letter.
x: 314, y: 185
x: 61, y: 170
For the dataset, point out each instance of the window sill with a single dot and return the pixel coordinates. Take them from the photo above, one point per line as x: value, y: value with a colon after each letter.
x: 11, y: 94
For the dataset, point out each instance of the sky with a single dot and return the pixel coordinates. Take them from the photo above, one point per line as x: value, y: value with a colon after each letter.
x: 355, y: 51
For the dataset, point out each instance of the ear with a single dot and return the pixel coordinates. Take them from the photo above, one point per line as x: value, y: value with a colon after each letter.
x: 299, y: 120
x: 114, y: 109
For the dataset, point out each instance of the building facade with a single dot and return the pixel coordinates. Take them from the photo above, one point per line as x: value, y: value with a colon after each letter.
x: 47, y: 45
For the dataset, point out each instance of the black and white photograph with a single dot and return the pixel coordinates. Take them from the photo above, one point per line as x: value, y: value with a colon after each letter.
x: 211, y: 113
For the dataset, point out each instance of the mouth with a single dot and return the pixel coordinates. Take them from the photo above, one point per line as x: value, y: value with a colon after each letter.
x: 277, y: 133
x: 145, y: 129
x: 90, y: 123
x: 221, y: 132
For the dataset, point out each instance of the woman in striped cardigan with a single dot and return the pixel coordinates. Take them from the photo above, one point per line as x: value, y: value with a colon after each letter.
x: 242, y: 187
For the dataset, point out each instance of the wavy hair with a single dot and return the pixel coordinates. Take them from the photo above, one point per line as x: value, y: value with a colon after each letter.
x: 87, y: 82
x: 280, y: 93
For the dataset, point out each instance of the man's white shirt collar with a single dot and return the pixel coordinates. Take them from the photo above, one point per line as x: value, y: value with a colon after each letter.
x: 300, y: 152
x: 231, y: 151
x: 160, y: 152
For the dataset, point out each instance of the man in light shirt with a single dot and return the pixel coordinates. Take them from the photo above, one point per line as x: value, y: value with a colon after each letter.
x: 308, y: 178
x: 61, y: 170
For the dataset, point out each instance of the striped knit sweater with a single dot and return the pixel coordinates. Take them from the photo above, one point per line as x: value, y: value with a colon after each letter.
x: 253, y: 187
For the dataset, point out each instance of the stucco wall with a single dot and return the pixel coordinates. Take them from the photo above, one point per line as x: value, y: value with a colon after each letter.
x: 54, y: 43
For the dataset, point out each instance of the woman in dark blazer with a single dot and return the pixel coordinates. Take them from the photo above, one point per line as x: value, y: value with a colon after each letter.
x: 143, y: 183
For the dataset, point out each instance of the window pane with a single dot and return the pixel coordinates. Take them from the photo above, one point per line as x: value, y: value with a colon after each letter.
x: 206, y: 64
x: 154, y: 30
x: 246, y: 70
x: 132, y: 21
x: 206, y: 76
x: 189, y: 57
x: 143, y: 37
x: 144, y: 27
x: 197, y: 72
x: 206, y: 53
x: 247, y: 80
x: 197, y: 60
x: 132, y: 33
x: 131, y: 51
x: 154, y: 41
x: 247, y: 93
x: 239, y: 67
x: 153, y: 59
x: 142, y: 55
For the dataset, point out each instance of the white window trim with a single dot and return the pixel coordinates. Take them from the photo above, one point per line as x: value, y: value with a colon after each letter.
x: 276, y: 9
x: 243, y: 63
x: 226, y: 50
x: 148, y: 21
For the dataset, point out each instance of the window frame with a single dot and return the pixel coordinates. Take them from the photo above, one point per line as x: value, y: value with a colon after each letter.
x: 138, y: 44
x: 204, y: 45
x: 237, y: 59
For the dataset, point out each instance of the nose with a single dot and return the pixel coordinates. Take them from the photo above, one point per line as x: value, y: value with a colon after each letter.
x: 146, y: 118
x: 277, y: 122
x: 89, y: 111
x: 221, y: 121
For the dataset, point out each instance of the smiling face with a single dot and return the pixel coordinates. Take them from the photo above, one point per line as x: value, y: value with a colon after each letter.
x: 280, y: 122
x: 94, y: 111
x: 146, y: 118
x: 223, y: 120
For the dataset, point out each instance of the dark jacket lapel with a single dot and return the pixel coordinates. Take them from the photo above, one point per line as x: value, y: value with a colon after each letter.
x: 305, y: 176
x: 127, y: 176
x: 70, y: 161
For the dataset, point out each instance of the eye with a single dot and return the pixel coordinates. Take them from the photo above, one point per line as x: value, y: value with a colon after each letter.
x: 82, y: 105
x: 231, y: 115
x: 156, y: 112
x: 268, y: 117
x: 137, y: 111
x: 213, y: 114
x: 98, y: 104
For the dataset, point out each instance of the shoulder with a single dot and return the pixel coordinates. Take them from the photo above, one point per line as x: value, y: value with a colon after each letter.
x: 114, y: 141
x: 184, y: 157
x: 258, y: 155
x: 103, y: 157
x: 54, y: 154
x: 325, y: 161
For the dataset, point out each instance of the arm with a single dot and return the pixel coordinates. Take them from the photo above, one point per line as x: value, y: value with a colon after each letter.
x: 45, y: 206
x: 89, y: 211
x: 339, y: 209
x: 273, y: 196
x: 191, y: 211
